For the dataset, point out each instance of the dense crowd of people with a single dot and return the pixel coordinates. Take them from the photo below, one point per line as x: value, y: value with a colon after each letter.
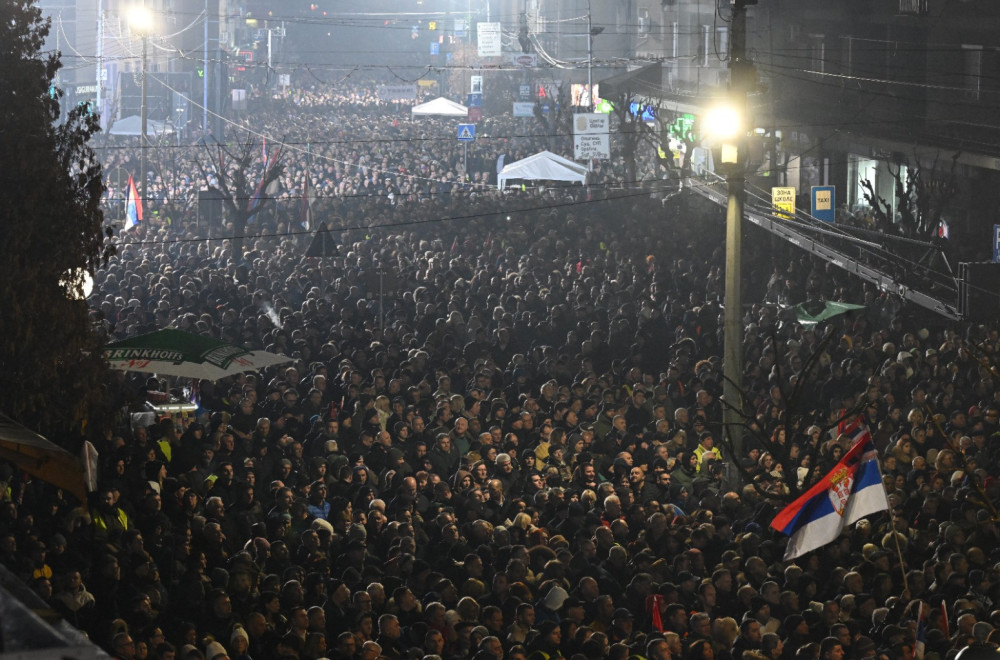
x: 515, y: 449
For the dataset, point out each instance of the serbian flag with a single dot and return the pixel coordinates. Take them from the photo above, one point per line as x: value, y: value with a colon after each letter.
x: 850, y: 491
x: 920, y: 644
x: 133, y: 206
x: 258, y: 194
x: 853, y: 428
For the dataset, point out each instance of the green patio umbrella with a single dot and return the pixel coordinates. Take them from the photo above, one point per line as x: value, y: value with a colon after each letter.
x: 814, y: 311
x: 170, y: 352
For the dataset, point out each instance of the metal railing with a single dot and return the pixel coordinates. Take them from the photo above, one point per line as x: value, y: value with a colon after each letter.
x: 856, y: 251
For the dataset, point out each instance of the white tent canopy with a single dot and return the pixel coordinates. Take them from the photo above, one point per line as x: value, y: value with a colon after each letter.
x: 133, y: 126
x: 440, y: 107
x: 543, y: 166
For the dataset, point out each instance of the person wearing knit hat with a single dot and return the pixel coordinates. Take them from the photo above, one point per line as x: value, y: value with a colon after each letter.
x: 239, y: 642
x: 215, y: 651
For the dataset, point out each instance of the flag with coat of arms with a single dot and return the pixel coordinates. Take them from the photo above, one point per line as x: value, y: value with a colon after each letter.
x: 850, y: 491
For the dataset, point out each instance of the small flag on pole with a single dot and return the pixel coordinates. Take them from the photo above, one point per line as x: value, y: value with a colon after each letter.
x: 920, y: 644
x: 653, y: 604
x: 308, y: 195
x: 133, y: 206
x: 270, y: 189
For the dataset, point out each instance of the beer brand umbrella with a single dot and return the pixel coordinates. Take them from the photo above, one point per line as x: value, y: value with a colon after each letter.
x: 171, y: 352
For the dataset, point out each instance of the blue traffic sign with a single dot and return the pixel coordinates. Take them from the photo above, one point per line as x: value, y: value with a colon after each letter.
x: 466, y: 132
x: 996, y: 244
x: 824, y: 203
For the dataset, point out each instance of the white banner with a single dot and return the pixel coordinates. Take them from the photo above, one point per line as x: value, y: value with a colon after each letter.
x: 488, y: 38
x: 586, y: 147
x: 239, y: 100
x: 397, y: 92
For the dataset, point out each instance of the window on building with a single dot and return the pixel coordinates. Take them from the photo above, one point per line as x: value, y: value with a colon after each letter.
x: 847, y: 55
x: 972, y: 69
x: 817, y: 53
x: 704, y: 45
x: 721, y: 46
x: 644, y: 22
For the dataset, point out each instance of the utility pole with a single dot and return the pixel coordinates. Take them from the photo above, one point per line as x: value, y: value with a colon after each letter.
x: 143, y: 141
x: 591, y: 33
x: 141, y: 22
x: 204, y: 76
x: 590, y: 57
x: 57, y: 79
x: 740, y: 81
x: 100, y: 62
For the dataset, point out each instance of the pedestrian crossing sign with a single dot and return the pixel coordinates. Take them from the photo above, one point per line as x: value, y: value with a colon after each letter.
x: 466, y: 132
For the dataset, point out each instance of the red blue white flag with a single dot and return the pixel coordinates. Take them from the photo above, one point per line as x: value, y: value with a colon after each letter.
x: 850, y: 491
x: 920, y: 643
x: 133, y: 206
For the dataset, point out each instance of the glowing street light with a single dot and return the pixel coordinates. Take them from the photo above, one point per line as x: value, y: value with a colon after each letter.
x: 723, y: 122
x: 140, y: 19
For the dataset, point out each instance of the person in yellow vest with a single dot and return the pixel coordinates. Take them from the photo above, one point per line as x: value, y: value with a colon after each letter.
x: 168, y: 439
x: 706, y: 446
x: 36, y: 555
x: 109, y: 521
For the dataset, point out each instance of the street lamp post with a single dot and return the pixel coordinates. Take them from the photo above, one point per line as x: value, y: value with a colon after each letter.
x: 725, y: 124
x: 143, y: 117
x: 140, y: 20
x: 729, y: 126
x: 590, y: 57
x: 732, y: 320
x: 591, y: 33
x: 204, y: 75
